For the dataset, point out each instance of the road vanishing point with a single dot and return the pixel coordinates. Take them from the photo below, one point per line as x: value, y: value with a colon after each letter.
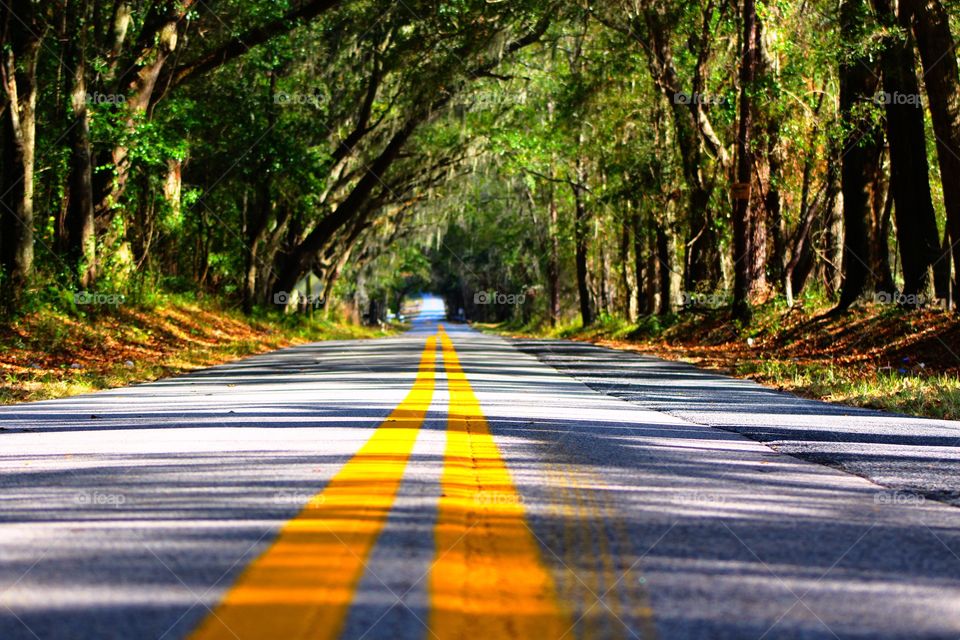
x: 449, y: 484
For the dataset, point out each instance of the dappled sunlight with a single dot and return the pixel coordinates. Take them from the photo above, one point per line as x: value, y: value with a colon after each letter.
x: 531, y: 506
x: 489, y: 579
x: 303, y: 584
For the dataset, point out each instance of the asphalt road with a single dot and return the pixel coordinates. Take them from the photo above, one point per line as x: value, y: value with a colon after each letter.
x: 449, y: 484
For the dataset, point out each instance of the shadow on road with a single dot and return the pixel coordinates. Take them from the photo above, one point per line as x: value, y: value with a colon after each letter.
x: 126, y: 513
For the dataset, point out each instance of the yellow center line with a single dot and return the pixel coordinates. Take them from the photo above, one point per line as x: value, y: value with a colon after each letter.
x: 489, y: 580
x: 303, y: 584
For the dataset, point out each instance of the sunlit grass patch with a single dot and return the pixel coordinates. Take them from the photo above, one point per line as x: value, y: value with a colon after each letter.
x: 935, y: 396
x: 52, y: 353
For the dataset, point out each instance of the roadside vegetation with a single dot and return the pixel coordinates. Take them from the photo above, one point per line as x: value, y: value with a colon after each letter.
x: 51, y: 352
x: 706, y: 171
x: 875, y: 357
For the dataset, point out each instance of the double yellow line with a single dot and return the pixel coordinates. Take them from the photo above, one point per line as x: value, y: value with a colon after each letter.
x: 488, y: 578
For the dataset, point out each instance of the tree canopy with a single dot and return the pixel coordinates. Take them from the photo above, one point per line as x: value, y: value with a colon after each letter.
x: 527, y: 159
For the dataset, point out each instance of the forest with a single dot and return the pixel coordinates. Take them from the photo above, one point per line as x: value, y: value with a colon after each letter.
x: 494, y: 319
x: 576, y: 159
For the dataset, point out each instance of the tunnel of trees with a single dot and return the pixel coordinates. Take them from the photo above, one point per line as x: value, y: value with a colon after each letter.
x: 625, y: 157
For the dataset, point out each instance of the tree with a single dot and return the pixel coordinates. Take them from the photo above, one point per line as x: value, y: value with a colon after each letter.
x: 746, y: 227
x: 931, y: 27
x: 20, y: 40
x: 861, y: 155
x: 909, y: 173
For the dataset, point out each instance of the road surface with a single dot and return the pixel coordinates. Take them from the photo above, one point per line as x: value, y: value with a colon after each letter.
x: 449, y: 484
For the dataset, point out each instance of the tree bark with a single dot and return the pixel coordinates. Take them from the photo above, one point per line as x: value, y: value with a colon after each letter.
x: 21, y: 41
x: 769, y: 228
x: 931, y: 27
x: 670, y: 277
x: 639, y: 268
x: 626, y: 293
x: 833, y: 224
x: 580, y: 250
x: 553, y: 262
x: 604, y: 286
x: 79, y: 242
x: 653, y: 269
x: 256, y: 233
x: 703, y: 263
x: 861, y: 152
x: 917, y: 234
x: 883, y: 214
x: 744, y: 247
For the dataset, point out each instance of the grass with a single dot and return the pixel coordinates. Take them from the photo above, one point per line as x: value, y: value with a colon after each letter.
x: 53, y: 353
x: 931, y: 396
x: 877, y: 356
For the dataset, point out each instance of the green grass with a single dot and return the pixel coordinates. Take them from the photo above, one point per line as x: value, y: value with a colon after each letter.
x: 932, y: 396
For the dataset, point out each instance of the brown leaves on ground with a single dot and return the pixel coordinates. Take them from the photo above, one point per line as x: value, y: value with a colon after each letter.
x: 862, y: 342
x: 107, y: 349
x: 880, y: 357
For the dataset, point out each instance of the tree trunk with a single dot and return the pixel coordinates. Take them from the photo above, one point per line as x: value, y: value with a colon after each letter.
x: 881, y: 245
x: 626, y: 292
x: 256, y: 233
x: 79, y: 241
x: 942, y: 271
x: 861, y: 152
x: 833, y: 225
x: 580, y: 247
x: 653, y: 269
x: 140, y: 233
x: 917, y: 234
x: 703, y: 256
x: 768, y: 209
x: 703, y: 253
x: 670, y: 277
x: 743, y: 230
x: 931, y: 26
x: 800, y: 253
x: 638, y: 262
x: 21, y: 47
x: 553, y: 263
x: 800, y: 256
x: 603, y: 281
